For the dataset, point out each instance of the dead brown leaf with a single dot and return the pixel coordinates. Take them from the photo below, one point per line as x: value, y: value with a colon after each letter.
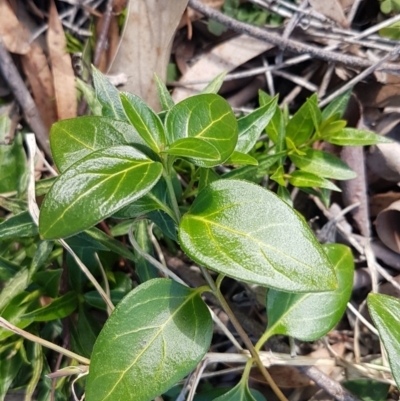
x: 145, y: 46
x: 61, y: 67
x: 331, y: 9
x: 13, y: 34
x: 37, y: 70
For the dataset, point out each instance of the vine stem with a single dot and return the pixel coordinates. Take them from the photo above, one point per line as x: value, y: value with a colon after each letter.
x: 243, y: 335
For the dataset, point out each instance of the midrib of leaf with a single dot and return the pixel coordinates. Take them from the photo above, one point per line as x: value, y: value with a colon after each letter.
x: 110, y: 102
x: 255, y: 240
x: 159, y: 332
x: 213, y: 122
x: 84, y: 144
x: 94, y: 187
x: 144, y: 125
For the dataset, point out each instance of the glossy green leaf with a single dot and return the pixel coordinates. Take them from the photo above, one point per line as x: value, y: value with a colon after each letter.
x: 41, y: 255
x: 10, y: 364
x: 163, y: 94
x: 18, y: 226
x: 208, y: 117
x: 108, y: 96
x: 194, y: 149
x: 94, y: 188
x: 93, y: 298
x: 165, y: 223
x: 240, y: 392
x: 15, y: 310
x: 215, y: 84
x: 241, y: 158
x: 73, y: 139
x: 337, y: 107
x: 323, y: 164
x: 156, y: 335
x: 14, y: 286
x: 144, y: 269
x: 7, y: 269
x: 355, y: 137
x: 301, y: 179
x: 43, y: 186
x: 276, y: 130
x: 368, y: 390
x: 310, y: 316
x: 12, y: 162
x: 59, y: 308
x: 252, y: 125
x: 385, y: 313
x: 48, y: 281
x: 246, y: 232
x: 145, y: 120
x: 301, y: 125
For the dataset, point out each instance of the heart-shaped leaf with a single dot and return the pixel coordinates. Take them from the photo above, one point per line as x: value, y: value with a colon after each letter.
x: 310, y: 316
x: 73, y: 139
x: 252, y: 125
x: 323, y: 164
x: 194, y: 148
x: 208, y: 117
x: 385, y: 312
x: 156, y: 335
x: 145, y: 120
x: 94, y: 188
x: 247, y: 232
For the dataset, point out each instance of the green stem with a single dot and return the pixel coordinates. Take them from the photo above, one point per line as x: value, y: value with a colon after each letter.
x: 243, y: 335
x: 171, y: 193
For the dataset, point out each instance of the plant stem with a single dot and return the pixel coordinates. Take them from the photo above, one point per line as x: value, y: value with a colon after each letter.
x: 243, y: 335
x: 171, y: 193
x: 31, y: 337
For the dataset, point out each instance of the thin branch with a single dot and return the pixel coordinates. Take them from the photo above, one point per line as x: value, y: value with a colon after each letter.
x: 289, y: 44
x: 101, y: 41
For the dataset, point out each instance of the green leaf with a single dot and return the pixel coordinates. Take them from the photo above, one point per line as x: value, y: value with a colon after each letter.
x: 206, y: 176
x: 301, y: 179
x: 208, y: 117
x: 156, y: 335
x: 14, y: 286
x: 18, y: 226
x: 240, y: 392
x: 88, y: 93
x: 108, y: 96
x: 165, y: 223
x: 252, y: 125
x: 310, y: 316
x: 337, y: 107
x: 41, y: 255
x: 49, y: 281
x: 73, y: 139
x: 301, y: 125
x: 145, y: 120
x: 7, y: 269
x: 59, y: 308
x: 94, y: 188
x: 241, y: 158
x: 323, y: 164
x: 93, y: 298
x: 12, y: 162
x: 355, y: 137
x: 10, y: 364
x: 385, y: 313
x: 215, y: 84
x: 368, y: 390
x: 246, y: 232
x: 194, y: 149
x: 163, y: 94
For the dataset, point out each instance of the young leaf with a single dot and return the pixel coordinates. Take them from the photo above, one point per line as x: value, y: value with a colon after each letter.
x: 310, y: 316
x: 61, y: 307
x: 73, y: 139
x: 301, y: 179
x: 163, y: 94
x: 207, y: 117
x: 18, y: 226
x: 108, y: 96
x: 241, y: 158
x: 94, y: 188
x: 215, y: 84
x: 385, y: 312
x: 301, y: 125
x: 355, y: 137
x: 337, y: 107
x: 194, y: 149
x: 156, y: 335
x: 240, y: 392
x: 247, y: 232
x: 145, y: 120
x: 251, y: 126
x: 323, y: 164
